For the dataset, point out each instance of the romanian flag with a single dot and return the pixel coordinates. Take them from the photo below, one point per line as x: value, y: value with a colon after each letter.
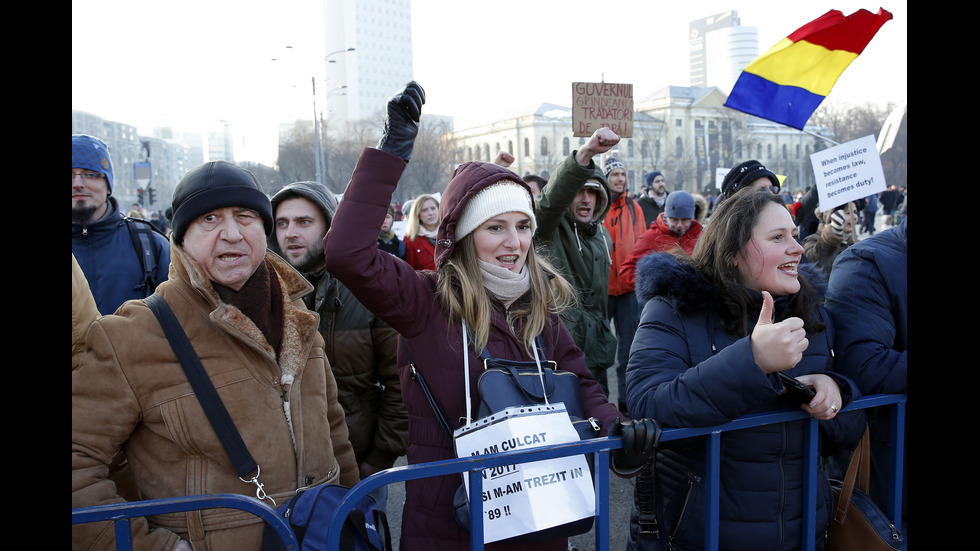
x: 787, y: 83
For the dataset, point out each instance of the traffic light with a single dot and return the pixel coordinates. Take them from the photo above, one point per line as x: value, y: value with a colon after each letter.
x: 153, y: 195
x: 140, y: 198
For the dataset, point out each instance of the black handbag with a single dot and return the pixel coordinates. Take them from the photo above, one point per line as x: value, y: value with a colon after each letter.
x: 509, y: 383
x: 506, y: 383
x: 858, y: 523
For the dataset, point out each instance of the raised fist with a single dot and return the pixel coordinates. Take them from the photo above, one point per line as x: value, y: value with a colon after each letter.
x: 402, y: 121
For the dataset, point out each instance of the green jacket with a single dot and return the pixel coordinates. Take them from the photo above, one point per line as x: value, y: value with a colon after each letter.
x: 580, y: 253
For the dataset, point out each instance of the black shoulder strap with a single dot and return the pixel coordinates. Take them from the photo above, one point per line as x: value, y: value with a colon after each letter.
x: 646, y: 501
x: 204, y: 389
x: 538, y: 341
x: 140, y: 232
x: 417, y: 375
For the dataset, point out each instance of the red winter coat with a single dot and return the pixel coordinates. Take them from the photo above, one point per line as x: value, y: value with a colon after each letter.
x: 420, y: 253
x: 406, y: 300
x: 658, y: 238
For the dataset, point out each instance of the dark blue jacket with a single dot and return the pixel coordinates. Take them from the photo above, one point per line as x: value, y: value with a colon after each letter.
x: 868, y: 299
x: 106, y: 253
x: 685, y: 370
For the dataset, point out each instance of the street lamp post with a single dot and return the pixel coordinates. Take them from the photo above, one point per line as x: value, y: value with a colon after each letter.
x: 340, y: 90
x: 321, y: 156
x: 316, y: 137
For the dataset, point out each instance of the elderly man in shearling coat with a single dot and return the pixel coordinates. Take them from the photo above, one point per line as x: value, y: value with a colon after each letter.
x: 241, y: 308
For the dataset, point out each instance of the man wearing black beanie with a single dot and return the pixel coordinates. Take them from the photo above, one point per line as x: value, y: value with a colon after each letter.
x: 242, y: 310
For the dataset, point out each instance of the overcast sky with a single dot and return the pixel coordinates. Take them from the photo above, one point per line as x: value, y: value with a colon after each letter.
x: 192, y: 62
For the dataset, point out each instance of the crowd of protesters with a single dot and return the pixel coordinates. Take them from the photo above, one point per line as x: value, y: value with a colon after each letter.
x: 296, y: 307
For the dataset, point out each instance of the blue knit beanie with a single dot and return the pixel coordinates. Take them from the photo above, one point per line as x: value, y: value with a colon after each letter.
x: 680, y: 204
x: 91, y: 153
x: 651, y: 175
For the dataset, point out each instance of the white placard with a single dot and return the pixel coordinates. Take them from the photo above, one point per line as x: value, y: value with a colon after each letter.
x: 720, y: 174
x: 524, y: 498
x: 847, y: 172
x: 399, y: 227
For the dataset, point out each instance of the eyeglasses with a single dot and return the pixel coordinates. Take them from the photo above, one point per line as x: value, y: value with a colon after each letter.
x: 88, y: 176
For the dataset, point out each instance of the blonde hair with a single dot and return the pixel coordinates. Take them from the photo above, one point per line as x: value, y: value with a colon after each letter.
x: 413, y: 223
x: 461, y: 291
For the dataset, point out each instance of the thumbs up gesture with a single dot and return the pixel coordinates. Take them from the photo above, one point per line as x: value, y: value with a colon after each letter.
x: 777, y: 346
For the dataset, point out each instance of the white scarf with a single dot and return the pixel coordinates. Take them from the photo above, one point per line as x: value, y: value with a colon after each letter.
x: 431, y: 234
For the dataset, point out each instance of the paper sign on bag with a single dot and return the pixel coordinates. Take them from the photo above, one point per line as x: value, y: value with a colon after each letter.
x: 523, y: 498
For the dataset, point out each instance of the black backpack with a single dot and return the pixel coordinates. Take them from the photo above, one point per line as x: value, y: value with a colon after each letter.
x: 140, y: 231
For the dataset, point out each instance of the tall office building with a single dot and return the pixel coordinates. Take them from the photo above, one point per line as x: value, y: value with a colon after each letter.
x: 360, y: 81
x: 720, y: 48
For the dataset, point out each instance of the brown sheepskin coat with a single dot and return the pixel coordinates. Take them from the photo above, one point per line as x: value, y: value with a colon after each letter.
x: 129, y: 393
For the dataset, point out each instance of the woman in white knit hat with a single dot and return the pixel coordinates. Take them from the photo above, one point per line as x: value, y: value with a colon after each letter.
x: 490, y: 281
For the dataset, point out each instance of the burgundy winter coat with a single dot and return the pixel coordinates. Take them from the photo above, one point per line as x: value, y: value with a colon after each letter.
x: 406, y: 300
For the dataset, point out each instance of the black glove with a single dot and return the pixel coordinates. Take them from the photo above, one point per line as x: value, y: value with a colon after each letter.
x: 402, y: 121
x: 640, y: 439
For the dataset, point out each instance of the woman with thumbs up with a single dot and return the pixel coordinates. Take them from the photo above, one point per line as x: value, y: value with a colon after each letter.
x: 716, y: 332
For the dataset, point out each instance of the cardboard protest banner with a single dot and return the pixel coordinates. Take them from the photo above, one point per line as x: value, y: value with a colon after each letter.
x: 602, y: 104
x: 847, y: 172
x: 524, y: 498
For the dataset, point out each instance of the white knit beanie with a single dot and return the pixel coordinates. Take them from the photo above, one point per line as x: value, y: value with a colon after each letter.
x: 504, y: 196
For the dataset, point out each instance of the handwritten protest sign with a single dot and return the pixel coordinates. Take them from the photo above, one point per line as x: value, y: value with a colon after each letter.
x: 602, y: 104
x: 524, y: 498
x: 847, y: 172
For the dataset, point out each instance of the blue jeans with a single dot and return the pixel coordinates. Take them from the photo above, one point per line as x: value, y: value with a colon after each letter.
x: 624, y: 312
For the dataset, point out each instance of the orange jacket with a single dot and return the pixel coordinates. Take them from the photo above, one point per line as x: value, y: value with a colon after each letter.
x: 625, y: 224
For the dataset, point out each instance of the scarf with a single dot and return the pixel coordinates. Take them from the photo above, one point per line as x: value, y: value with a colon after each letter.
x: 431, y: 234
x: 504, y: 284
x: 260, y: 298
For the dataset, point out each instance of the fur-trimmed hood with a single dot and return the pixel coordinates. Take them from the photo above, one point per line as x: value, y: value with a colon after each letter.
x: 663, y: 274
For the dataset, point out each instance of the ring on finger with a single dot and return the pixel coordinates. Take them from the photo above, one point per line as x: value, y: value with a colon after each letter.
x: 833, y: 408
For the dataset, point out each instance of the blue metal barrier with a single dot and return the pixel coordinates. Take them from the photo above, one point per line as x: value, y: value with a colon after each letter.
x: 120, y: 513
x: 475, y: 465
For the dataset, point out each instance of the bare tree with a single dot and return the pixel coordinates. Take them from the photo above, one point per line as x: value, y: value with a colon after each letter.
x: 297, y: 161
x: 429, y: 170
x: 432, y: 161
x: 343, y: 147
x: 849, y: 122
x: 268, y: 177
